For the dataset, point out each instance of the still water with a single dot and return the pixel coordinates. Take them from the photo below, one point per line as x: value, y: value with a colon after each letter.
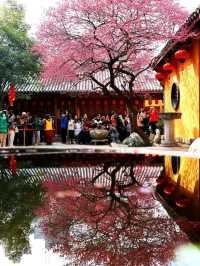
x: 73, y: 209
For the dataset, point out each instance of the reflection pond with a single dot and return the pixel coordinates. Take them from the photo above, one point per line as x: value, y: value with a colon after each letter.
x: 91, y: 209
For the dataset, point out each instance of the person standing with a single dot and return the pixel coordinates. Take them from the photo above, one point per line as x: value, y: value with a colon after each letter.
x: 77, y: 129
x: 113, y: 119
x: 71, y: 128
x: 48, y: 129
x: 153, y: 119
x: 37, y: 129
x: 3, y: 128
x: 22, y: 128
x: 29, y: 130
x: 127, y: 123
x: 97, y: 122
x: 64, y: 127
x: 12, y: 128
x: 140, y: 119
x: 146, y: 123
x: 121, y: 128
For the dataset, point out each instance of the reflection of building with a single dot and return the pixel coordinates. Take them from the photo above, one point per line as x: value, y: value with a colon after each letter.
x: 141, y: 172
x: 178, y: 68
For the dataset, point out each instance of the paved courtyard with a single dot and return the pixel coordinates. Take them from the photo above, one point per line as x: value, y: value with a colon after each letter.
x: 114, y: 149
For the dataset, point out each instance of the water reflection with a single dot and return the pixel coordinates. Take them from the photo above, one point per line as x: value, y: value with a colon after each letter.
x: 18, y: 200
x: 98, y: 212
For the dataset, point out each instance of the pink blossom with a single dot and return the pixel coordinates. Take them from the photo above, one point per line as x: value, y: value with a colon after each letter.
x: 88, y: 36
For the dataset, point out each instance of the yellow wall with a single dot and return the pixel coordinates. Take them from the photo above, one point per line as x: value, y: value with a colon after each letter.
x: 188, y: 174
x: 187, y: 78
x: 149, y: 103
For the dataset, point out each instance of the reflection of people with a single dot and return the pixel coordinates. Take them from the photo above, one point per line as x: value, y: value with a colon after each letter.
x: 48, y: 128
x: 3, y: 128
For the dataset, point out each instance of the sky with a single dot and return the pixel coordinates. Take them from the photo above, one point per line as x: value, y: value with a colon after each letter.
x: 36, y: 8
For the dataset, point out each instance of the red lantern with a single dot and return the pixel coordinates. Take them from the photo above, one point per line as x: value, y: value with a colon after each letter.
x: 181, y: 55
x: 160, y: 76
x: 182, y: 202
x: 169, y: 190
x: 121, y: 102
x: 12, y: 94
x: 159, y: 69
x: 168, y: 68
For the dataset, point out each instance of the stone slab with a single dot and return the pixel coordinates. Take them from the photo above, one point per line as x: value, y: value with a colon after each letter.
x: 114, y: 149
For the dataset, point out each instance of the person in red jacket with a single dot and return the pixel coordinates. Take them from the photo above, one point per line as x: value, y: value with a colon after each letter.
x: 153, y: 119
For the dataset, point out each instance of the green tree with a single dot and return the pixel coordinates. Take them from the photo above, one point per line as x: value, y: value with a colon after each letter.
x: 17, y: 62
x: 18, y: 201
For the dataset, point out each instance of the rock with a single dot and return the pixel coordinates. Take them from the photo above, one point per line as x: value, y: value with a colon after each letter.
x: 134, y: 140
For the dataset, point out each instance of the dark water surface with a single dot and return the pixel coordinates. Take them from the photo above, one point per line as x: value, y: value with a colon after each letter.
x: 90, y: 209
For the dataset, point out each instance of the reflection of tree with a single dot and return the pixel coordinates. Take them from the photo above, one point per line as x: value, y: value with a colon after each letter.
x: 18, y: 199
x: 109, y: 224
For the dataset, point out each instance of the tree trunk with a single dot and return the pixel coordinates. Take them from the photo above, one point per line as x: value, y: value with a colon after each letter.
x: 133, y: 118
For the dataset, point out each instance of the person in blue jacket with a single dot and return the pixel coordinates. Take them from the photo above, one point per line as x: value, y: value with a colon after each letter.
x: 64, y: 127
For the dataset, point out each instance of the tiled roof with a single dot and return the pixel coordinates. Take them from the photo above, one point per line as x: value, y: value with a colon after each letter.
x: 188, y: 26
x: 144, y: 83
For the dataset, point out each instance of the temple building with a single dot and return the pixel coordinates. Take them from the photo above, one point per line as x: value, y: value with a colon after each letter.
x: 54, y: 97
x: 178, y: 70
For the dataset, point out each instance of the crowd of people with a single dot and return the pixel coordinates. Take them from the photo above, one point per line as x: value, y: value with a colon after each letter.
x: 26, y: 129
x: 147, y: 120
x: 77, y: 130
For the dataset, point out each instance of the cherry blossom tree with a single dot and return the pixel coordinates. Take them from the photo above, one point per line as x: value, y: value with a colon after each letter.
x: 80, y: 39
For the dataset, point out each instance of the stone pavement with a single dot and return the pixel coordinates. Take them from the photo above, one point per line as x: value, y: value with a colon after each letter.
x: 114, y: 149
